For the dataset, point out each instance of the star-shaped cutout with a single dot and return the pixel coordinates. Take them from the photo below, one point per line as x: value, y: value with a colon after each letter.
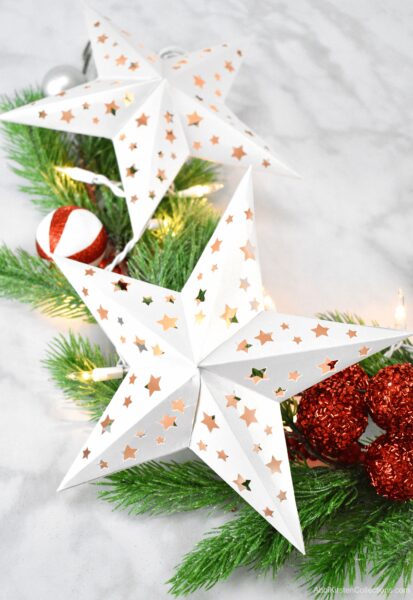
x: 232, y: 400
x: 249, y: 416
x: 141, y: 344
x: 106, y: 424
x: 222, y: 455
x: 264, y: 337
x: 209, y: 421
x: 243, y: 346
x: 67, y: 116
x: 229, y: 315
x: 157, y: 350
x: 282, y: 496
x: 112, y: 108
x: 103, y: 313
x: 248, y: 250
x: 319, y: 330
x: 193, y: 119
x: 327, y: 365
x: 168, y: 421
x: 216, y: 246
x: 231, y: 397
x: 170, y: 136
x: 121, y: 60
x: 153, y: 385
x: 274, y: 465
x: 238, y: 153
x: 199, y: 317
x: 127, y: 401
x: 178, y: 405
x: 244, y: 284
x: 242, y: 483
x: 198, y: 81
x: 120, y: 285
x: 168, y: 322
x: 142, y: 120
x: 129, y: 452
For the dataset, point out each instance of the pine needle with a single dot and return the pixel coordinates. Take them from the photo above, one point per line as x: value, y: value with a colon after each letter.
x: 75, y: 354
x: 249, y: 540
x: 166, y: 488
x: 168, y: 255
x: 39, y: 283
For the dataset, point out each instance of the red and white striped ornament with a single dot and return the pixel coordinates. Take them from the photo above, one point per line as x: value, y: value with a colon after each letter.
x: 71, y: 232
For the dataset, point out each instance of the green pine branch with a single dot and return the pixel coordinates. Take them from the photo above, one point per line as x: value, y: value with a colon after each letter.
x: 166, y: 488
x: 73, y: 354
x: 390, y: 547
x: 195, y: 172
x: 36, y: 152
x: 373, y: 535
x: 39, y: 283
x: 249, y: 540
x: 167, y: 256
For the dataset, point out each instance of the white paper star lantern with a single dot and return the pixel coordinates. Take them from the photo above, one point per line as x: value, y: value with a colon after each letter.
x: 208, y: 368
x: 157, y: 111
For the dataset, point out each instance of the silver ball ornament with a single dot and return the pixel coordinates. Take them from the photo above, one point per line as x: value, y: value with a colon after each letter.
x: 61, y: 78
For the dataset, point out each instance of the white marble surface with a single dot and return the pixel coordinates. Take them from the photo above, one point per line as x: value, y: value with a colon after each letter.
x: 330, y: 84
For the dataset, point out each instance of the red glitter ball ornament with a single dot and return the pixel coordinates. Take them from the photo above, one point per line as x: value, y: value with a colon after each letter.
x: 332, y: 414
x: 389, y: 465
x: 390, y: 397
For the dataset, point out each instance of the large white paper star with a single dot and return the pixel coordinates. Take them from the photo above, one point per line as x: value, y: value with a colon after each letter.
x: 157, y: 112
x: 208, y: 368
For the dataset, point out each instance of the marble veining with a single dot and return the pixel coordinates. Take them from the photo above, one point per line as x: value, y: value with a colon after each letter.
x: 330, y: 85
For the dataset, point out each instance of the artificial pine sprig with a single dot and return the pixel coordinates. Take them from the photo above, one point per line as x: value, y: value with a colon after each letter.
x: 166, y: 488
x: 373, y: 535
x: 39, y: 283
x: 167, y: 256
x: 75, y: 354
x: 390, y: 546
x: 35, y: 153
x: 249, y: 540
